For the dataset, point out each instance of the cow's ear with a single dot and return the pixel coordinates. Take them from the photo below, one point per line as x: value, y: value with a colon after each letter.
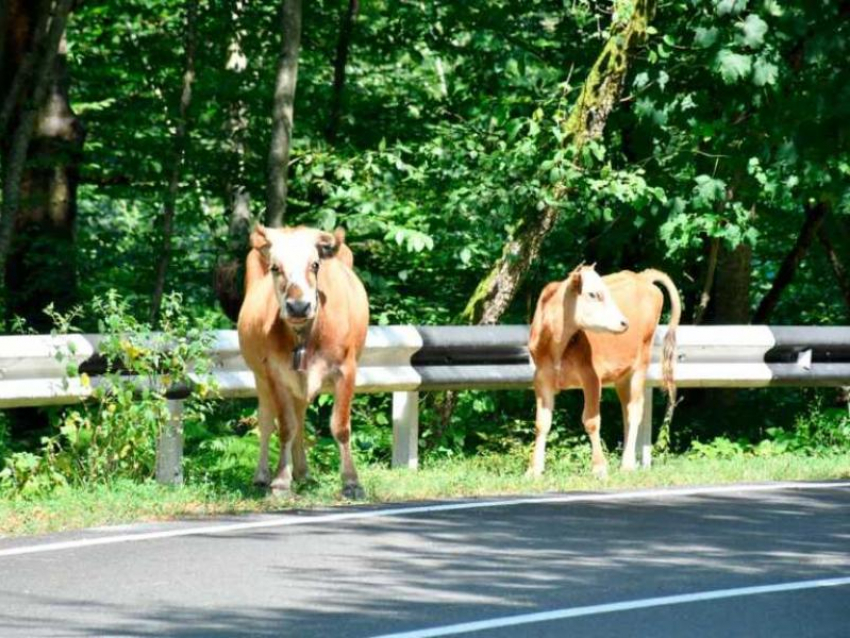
x: 574, y: 281
x: 328, y: 245
x: 260, y: 241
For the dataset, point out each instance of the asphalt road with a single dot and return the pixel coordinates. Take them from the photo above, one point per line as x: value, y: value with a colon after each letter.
x: 561, y: 565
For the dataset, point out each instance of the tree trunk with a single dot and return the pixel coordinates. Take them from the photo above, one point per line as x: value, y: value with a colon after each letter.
x: 166, y: 231
x: 34, y: 97
x: 585, y: 122
x: 42, y: 147
x: 814, y: 218
x: 731, y: 303
x: 284, y: 98
x: 228, y: 284
x: 343, y: 46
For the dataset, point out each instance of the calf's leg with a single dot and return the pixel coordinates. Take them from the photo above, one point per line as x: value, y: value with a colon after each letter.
x: 544, y: 391
x: 633, y: 409
x: 592, y: 422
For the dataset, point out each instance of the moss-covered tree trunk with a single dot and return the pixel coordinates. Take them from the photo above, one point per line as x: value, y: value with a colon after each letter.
x: 586, y: 121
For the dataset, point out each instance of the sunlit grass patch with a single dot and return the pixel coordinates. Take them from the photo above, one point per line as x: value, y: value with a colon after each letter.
x: 479, y: 476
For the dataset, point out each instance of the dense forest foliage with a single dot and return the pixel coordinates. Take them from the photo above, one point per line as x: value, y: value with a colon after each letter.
x: 473, y: 151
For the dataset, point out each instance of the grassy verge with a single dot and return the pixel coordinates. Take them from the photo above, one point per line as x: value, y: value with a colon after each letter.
x: 492, y: 475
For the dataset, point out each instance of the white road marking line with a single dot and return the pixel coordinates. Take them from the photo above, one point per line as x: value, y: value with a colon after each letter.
x: 592, y: 610
x: 289, y: 521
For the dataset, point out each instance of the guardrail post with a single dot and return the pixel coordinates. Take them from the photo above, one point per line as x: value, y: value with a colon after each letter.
x: 406, y: 429
x: 169, y: 447
x: 644, y: 435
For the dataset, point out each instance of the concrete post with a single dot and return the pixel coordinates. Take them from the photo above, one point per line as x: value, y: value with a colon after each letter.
x: 169, y: 447
x: 406, y: 429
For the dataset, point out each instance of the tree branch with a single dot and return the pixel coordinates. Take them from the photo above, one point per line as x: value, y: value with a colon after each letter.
x: 711, y: 268
x: 177, y: 161
x: 814, y: 218
x: 343, y: 47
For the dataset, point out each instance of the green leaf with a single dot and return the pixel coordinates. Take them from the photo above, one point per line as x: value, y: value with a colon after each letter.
x: 753, y: 30
x: 725, y: 7
x: 733, y: 66
x: 764, y: 72
x: 704, y: 38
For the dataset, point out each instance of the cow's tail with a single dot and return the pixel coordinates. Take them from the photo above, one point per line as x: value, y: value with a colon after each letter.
x: 668, y: 353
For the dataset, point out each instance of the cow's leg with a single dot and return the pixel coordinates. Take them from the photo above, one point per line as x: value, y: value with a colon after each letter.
x: 341, y: 429
x: 592, y: 422
x: 631, y: 398
x: 287, y: 425
x: 544, y: 392
x: 265, y: 418
x: 300, y: 471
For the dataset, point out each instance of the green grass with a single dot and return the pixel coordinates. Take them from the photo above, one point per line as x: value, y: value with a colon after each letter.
x: 489, y: 475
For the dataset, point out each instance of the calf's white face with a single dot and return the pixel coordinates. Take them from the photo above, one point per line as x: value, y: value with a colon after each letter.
x: 294, y: 257
x: 593, y: 305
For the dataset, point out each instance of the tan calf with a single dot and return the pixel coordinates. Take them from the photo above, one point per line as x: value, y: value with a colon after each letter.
x: 302, y: 324
x: 589, y: 331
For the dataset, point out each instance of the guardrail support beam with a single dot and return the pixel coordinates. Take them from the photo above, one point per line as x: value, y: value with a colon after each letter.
x: 169, y: 447
x: 644, y: 435
x: 406, y: 429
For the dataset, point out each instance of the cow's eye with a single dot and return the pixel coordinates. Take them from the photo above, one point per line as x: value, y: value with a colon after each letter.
x: 275, y: 269
x: 314, y: 266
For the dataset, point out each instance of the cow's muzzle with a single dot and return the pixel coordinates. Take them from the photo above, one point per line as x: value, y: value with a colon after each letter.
x: 298, y: 309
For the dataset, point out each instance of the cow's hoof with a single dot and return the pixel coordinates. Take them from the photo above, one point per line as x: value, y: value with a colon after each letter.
x: 353, y: 492
x: 600, y: 472
x: 281, y: 489
x: 628, y: 466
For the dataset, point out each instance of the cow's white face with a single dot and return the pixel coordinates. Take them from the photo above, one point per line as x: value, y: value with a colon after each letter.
x: 294, y: 257
x: 593, y: 307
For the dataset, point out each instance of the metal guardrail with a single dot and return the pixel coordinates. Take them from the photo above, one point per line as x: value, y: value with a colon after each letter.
x: 405, y: 360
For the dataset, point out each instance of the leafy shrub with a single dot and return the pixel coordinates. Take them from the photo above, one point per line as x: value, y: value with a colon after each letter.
x: 818, y: 432
x: 114, y: 435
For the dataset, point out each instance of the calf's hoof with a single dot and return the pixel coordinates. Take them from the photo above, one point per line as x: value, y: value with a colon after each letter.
x: 353, y: 492
x: 534, y: 473
x: 261, y: 480
x: 628, y: 466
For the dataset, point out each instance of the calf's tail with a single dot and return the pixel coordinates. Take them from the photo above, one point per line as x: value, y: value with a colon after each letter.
x: 668, y: 354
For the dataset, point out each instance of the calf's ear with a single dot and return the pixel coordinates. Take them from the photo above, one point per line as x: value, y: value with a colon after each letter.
x: 260, y: 241
x: 328, y: 244
x: 575, y: 282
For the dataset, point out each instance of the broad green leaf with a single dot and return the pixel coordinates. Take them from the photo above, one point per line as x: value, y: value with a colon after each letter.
x: 753, y: 30
x: 725, y: 7
x: 764, y: 72
x: 733, y: 66
x: 705, y: 37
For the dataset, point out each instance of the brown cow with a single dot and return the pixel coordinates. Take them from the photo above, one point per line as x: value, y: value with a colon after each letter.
x: 303, y: 323
x: 580, y: 338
